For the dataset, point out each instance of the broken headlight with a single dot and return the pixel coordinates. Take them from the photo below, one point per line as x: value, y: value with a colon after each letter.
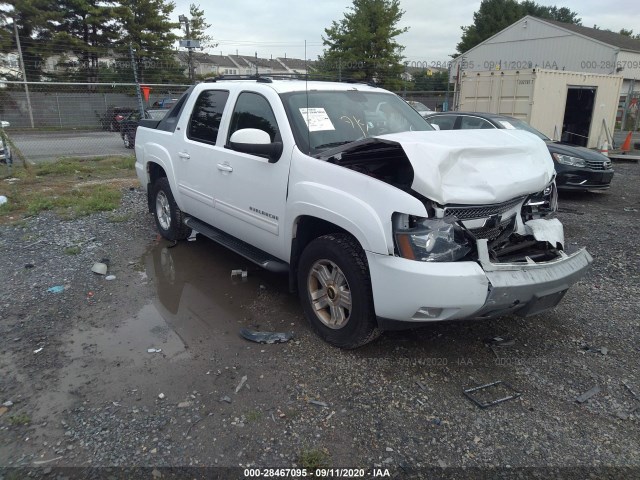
x: 429, y: 239
x: 542, y: 203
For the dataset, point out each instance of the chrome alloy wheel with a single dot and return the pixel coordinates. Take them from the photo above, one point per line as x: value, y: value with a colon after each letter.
x: 163, y: 211
x: 330, y: 294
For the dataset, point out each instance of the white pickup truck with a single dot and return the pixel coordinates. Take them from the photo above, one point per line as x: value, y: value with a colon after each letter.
x: 380, y: 221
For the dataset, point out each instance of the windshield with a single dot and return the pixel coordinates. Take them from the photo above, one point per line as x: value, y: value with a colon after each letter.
x: 513, y: 123
x: 325, y: 119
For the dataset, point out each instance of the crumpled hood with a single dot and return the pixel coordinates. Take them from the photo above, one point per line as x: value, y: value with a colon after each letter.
x: 476, y: 166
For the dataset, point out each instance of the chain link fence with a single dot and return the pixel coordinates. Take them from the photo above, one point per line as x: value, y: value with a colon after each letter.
x: 47, y: 120
x: 52, y: 120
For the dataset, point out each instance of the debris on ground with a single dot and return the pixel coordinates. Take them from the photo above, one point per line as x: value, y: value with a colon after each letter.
x: 226, y: 399
x: 3, y: 410
x: 99, y: 268
x: 154, y: 350
x: 38, y: 350
x: 56, y: 289
x: 3, y: 199
x: 500, y: 342
x: 43, y: 462
x: 319, y: 403
x: 478, y: 395
x: 239, y: 273
x: 588, y: 394
x: 602, y: 350
x: 243, y: 380
x: 266, y: 337
x: 635, y: 395
x: 161, y: 396
x: 110, y: 277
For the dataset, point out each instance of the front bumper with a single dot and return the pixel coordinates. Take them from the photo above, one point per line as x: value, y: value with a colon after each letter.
x: 414, y: 292
x: 571, y: 178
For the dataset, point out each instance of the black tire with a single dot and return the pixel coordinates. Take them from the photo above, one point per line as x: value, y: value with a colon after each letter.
x: 169, y: 218
x: 126, y: 138
x: 344, y: 315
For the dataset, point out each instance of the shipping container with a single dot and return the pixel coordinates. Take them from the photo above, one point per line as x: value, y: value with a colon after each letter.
x: 570, y: 106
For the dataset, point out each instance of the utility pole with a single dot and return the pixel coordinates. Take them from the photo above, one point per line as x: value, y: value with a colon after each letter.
x: 135, y: 79
x: 185, y: 20
x: 24, y: 73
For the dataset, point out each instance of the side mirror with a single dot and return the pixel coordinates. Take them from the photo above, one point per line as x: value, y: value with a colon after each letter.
x: 255, y: 142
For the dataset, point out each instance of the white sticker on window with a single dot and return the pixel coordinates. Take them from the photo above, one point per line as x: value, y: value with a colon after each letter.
x: 507, y: 125
x: 316, y: 119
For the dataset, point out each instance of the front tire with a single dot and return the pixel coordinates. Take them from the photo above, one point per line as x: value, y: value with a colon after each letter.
x: 335, y: 291
x: 126, y: 138
x: 169, y: 218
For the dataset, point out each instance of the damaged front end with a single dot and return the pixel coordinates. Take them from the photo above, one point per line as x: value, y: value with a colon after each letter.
x: 513, y: 236
x: 519, y: 247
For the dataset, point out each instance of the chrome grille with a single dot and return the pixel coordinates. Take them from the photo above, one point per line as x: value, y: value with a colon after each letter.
x: 597, y: 165
x: 471, y: 212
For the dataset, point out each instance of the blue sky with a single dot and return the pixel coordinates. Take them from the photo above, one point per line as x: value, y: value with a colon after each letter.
x: 281, y: 27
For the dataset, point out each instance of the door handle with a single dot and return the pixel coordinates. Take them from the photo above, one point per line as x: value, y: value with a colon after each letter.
x: 184, y: 155
x: 225, y: 167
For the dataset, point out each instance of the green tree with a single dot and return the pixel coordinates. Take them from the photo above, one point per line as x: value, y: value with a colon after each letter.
x: 426, y: 80
x: 199, y: 26
x: 145, y: 25
x: 496, y: 15
x: 33, y: 19
x: 362, y: 46
x: 87, y: 31
x: 629, y: 33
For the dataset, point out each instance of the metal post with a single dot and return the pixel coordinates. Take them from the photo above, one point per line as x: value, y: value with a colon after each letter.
x: 135, y: 79
x: 58, y: 106
x: 24, y: 73
x: 627, y: 104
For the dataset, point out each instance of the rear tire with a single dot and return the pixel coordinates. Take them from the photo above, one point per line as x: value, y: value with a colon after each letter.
x: 335, y: 291
x: 169, y: 218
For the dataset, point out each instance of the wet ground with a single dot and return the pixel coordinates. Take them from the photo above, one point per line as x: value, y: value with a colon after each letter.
x: 150, y: 370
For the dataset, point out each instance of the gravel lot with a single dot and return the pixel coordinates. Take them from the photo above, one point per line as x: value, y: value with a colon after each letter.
x: 84, y: 391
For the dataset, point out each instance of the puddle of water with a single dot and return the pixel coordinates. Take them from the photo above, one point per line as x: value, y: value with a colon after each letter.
x: 200, y: 299
x: 197, y: 313
x: 128, y: 343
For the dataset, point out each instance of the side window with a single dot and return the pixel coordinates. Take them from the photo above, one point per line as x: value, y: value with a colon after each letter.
x: 253, y: 111
x: 445, y: 122
x: 474, y: 123
x: 206, y: 115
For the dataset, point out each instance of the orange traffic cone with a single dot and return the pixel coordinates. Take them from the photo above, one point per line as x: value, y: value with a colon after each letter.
x: 626, y: 146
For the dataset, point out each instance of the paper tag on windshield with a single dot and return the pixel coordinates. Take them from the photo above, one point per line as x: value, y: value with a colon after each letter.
x: 507, y: 125
x: 316, y: 119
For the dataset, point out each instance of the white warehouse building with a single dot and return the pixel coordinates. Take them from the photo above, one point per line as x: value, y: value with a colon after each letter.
x: 538, y: 43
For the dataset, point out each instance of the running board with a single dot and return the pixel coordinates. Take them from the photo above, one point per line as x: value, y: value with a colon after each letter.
x: 243, y: 249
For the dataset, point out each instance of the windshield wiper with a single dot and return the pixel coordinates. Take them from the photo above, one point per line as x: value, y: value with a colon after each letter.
x: 334, y: 144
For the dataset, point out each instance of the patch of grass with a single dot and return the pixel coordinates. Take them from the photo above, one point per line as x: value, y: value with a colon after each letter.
x: 75, y: 250
x: 21, y: 419
x: 314, y: 458
x: 69, y: 187
x: 253, y: 415
x: 66, y: 166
